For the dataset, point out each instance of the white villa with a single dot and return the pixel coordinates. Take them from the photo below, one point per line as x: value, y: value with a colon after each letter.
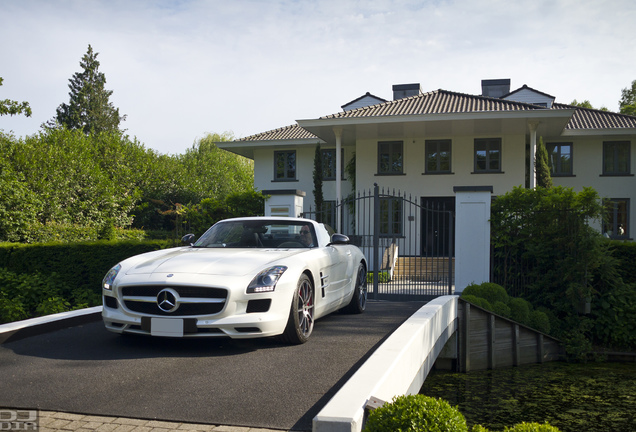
x: 430, y: 144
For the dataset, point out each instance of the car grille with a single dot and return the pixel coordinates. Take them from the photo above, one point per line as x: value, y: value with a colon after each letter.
x: 191, y: 300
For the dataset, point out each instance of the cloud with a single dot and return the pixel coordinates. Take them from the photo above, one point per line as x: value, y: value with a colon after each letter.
x: 179, y: 69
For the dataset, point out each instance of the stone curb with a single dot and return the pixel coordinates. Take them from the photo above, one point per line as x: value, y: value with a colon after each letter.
x: 31, y: 327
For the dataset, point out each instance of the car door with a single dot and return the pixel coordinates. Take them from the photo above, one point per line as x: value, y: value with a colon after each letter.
x: 340, y: 274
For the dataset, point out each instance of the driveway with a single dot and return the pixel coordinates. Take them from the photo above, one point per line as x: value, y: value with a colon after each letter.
x: 252, y: 383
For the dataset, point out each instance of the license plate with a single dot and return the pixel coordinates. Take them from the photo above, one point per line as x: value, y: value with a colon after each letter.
x: 166, y: 327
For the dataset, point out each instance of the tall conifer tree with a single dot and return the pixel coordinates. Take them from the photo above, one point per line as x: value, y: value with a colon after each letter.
x: 542, y: 167
x: 318, y: 177
x: 89, y: 108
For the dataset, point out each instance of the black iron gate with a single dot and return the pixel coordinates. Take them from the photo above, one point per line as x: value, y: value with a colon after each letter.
x: 409, y: 244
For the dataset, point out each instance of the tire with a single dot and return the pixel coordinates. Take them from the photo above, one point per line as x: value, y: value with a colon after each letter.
x: 359, y: 300
x: 300, y: 323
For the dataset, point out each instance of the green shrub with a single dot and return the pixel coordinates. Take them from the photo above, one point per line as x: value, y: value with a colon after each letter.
x: 477, y: 301
x: 28, y: 295
x: 531, y: 427
x: 383, y: 277
x: 625, y: 253
x: 489, y: 291
x: 107, y: 231
x: 615, y: 318
x: 539, y: 320
x: 52, y: 305
x: 417, y: 413
x: 519, y: 310
x: 502, y: 309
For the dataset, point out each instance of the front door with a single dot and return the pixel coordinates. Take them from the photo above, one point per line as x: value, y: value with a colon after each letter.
x: 437, y: 217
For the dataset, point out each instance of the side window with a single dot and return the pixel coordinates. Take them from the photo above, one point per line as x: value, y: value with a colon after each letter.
x: 616, y: 158
x: 487, y: 155
x: 285, y: 165
x: 617, y: 224
x: 438, y: 156
x: 560, y: 158
x: 390, y: 157
x: 391, y: 217
x: 329, y: 164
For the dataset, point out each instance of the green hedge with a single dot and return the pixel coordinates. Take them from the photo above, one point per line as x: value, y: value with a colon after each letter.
x: 625, y: 252
x: 47, y: 278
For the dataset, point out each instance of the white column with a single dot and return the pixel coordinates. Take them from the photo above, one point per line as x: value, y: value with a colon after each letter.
x: 533, y: 153
x: 338, y: 132
x: 472, y: 235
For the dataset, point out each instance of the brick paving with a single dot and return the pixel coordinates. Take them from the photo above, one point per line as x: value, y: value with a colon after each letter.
x: 51, y: 421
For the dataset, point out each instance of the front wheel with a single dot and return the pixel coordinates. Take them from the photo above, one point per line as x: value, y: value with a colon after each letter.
x: 300, y: 323
x: 359, y: 300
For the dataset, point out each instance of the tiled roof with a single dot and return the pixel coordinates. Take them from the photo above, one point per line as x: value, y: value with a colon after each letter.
x: 436, y: 102
x: 585, y: 118
x: 447, y: 102
x: 284, y: 133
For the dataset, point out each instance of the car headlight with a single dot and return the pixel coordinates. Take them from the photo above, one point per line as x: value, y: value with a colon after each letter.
x: 107, y: 283
x: 266, y: 280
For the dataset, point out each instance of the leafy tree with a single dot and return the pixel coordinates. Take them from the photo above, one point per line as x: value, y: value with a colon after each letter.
x: 628, y: 100
x: 318, y: 179
x: 544, y: 179
x: 14, y: 107
x: 89, y: 108
x: 207, y: 171
x: 586, y: 104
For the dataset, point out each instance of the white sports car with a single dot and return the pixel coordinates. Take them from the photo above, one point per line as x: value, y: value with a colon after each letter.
x: 244, y: 278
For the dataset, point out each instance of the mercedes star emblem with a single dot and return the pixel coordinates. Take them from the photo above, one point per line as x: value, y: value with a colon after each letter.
x: 168, y: 300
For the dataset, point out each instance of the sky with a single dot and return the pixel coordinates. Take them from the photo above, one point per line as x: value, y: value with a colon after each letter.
x: 181, y: 69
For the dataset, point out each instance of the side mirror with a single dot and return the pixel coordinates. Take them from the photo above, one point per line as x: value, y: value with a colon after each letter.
x: 339, y: 239
x: 188, y: 239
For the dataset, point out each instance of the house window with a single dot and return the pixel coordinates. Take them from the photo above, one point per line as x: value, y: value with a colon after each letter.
x: 560, y: 158
x: 391, y: 220
x: 487, y: 155
x: 285, y: 165
x: 329, y: 164
x: 390, y: 157
x: 438, y: 156
x: 617, y: 224
x: 616, y: 157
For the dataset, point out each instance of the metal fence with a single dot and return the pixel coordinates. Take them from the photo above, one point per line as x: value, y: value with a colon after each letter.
x: 409, y: 244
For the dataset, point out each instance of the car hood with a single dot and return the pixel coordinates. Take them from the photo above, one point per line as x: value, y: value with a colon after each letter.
x: 210, y: 261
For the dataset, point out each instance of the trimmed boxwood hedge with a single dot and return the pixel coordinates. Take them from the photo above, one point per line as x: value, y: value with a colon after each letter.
x: 81, y: 266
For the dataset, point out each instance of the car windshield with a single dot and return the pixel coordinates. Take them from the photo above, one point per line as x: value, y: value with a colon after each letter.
x: 259, y: 234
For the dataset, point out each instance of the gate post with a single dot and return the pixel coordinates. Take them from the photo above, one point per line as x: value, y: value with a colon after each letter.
x: 472, y: 235
x: 376, y: 238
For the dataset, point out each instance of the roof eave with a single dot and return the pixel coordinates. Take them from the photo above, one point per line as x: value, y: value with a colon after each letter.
x: 323, y: 127
x: 247, y: 148
x: 599, y: 132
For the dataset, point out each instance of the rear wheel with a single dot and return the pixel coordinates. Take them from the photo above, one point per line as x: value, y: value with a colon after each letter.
x: 359, y: 300
x: 301, y: 315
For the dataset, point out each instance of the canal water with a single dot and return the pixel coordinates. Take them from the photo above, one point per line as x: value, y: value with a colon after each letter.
x: 572, y: 397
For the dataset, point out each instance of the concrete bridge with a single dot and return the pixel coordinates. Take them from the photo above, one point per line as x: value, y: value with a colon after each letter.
x: 447, y: 330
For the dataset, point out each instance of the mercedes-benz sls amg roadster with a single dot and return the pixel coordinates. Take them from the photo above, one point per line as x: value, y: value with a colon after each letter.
x: 243, y: 278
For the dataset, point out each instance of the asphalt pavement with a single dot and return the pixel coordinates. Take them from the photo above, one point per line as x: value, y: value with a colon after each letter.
x: 258, y: 383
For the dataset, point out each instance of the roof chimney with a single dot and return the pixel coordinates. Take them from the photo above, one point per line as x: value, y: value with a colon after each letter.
x: 401, y: 91
x: 495, y: 88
